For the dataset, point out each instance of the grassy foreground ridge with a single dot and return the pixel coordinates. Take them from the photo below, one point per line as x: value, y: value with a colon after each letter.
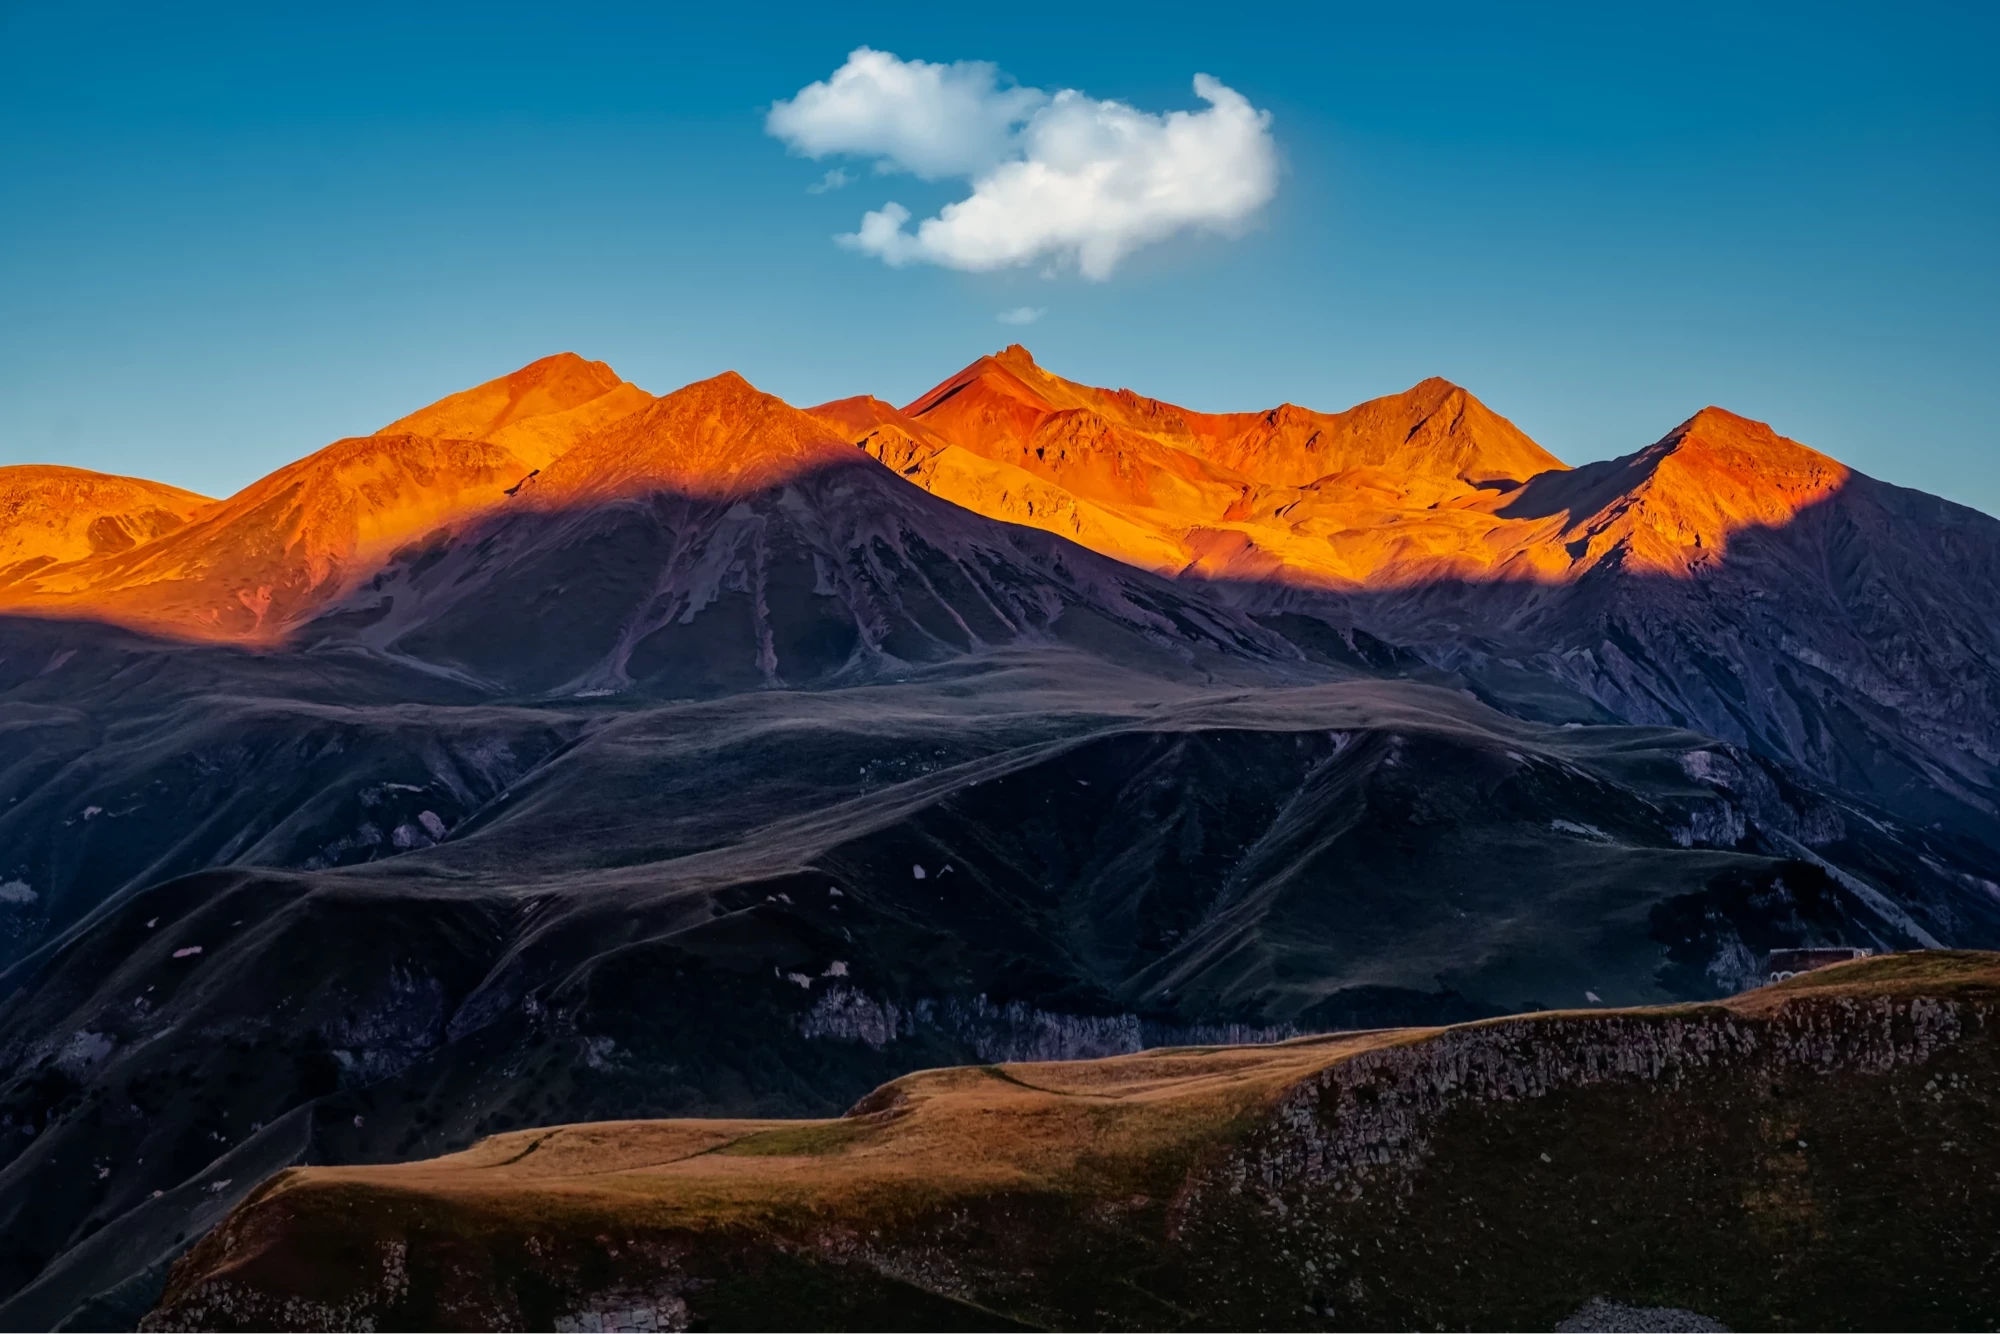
x: 1815, y: 1154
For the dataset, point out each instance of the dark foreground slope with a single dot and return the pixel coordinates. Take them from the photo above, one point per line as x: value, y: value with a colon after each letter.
x: 714, y: 908
x: 1813, y: 1155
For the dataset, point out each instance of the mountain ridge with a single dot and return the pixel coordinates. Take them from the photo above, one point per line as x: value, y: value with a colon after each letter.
x: 535, y: 412
x: 51, y: 514
x: 718, y: 758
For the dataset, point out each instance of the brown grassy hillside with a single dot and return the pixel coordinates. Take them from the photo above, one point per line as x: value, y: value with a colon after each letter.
x: 1808, y: 1155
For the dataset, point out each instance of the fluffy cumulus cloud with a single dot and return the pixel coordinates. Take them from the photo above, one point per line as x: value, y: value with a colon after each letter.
x: 935, y: 121
x: 1062, y: 177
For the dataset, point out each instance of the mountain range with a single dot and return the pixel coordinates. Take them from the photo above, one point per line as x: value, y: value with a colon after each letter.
x: 563, y: 752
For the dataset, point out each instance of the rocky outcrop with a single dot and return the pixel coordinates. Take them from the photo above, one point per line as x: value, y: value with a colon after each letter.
x: 1015, y: 1031
x: 1811, y: 1156
x: 1366, y: 1123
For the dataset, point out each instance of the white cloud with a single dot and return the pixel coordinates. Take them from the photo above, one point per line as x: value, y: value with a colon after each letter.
x: 833, y: 180
x: 935, y: 121
x: 1022, y: 314
x: 1064, y: 178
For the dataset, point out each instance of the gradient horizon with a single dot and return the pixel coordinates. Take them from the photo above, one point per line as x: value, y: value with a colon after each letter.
x: 238, y: 234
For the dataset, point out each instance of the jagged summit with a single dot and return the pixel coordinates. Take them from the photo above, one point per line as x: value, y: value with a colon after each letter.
x: 1286, y: 492
x: 1433, y: 430
x: 1421, y: 489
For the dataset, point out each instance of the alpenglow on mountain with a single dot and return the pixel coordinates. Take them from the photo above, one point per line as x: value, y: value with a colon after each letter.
x: 562, y: 752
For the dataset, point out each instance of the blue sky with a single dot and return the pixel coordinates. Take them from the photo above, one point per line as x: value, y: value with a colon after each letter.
x: 228, y: 236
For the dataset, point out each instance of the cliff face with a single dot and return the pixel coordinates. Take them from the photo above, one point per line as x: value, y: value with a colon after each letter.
x: 1811, y: 1156
x: 1599, y: 1154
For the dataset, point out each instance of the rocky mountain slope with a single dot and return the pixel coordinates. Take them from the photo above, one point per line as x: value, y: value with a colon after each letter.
x: 767, y: 902
x: 50, y: 515
x: 562, y: 752
x: 253, y: 566
x: 1809, y: 1156
x: 1724, y: 579
x: 721, y: 540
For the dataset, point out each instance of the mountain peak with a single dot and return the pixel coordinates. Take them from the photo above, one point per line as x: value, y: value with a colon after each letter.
x: 862, y: 413
x: 537, y: 411
x: 1681, y: 501
x: 1434, y: 430
x: 715, y: 437
x: 1434, y: 386
x: 1751, y: 454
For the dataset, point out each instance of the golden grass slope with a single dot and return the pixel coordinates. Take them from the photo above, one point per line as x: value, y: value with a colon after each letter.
x: 1089, y: 1126
x: 1210, y: 1176
x: 973, y: 1130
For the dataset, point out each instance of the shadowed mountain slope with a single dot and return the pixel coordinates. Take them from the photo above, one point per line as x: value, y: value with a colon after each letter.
x: 1734, y: 582
x: 767, y: 902
x: 722, y: 540
x: 1725, y: 579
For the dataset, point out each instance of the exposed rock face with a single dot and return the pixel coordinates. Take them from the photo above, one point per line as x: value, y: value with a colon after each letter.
x: 1366, y: 1124
x: 1014, y: 1031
